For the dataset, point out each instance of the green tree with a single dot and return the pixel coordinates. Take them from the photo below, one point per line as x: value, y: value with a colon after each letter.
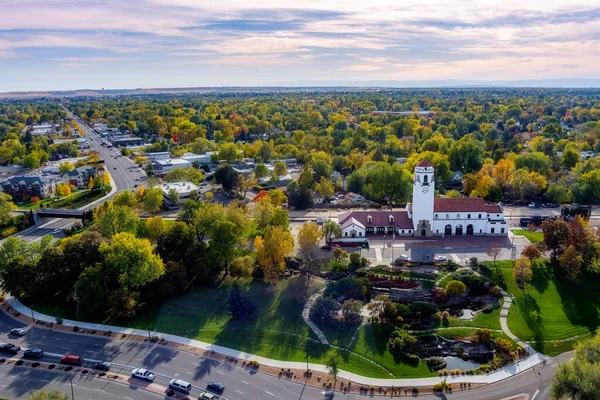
x: 126, y: 199
x: 466, y: 154
x: 173, y: 195
x: 6, y: 209
x: 131, y: 261
x: 115, y: 219
x: 279, y: 169
x: 578, y: 378
x: 332, y: 361
x: 331, y: 230
x: 229, y: 152
x: 65, y: 167
x: 153, y: 200
x: 556, y: 236
x: 261, y: 170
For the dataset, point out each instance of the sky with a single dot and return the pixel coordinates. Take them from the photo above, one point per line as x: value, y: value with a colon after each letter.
x: 90, y: 44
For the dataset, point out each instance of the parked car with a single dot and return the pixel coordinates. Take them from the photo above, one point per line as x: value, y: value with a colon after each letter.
x: 102, y: 366
x: 71, y: 359
x: 404, y: 258
x: 206, y: 396
x: 144, y: 374
x: 178, y: 384
x: 33, y: 353
x: 320, y: 221
x: 18, y: 331
x: 215, y: 387
x: 9, y: 348
x: 440, y: 259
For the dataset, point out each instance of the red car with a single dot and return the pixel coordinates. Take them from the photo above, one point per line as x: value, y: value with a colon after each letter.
x: 71, y: 360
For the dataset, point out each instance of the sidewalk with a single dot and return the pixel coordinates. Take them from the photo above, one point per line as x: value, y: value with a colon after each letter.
x: 495, y: 376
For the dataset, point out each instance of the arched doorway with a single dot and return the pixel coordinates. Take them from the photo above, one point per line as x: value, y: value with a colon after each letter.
x: 469, y: 230
x: 353, y: 233
x: 448, y: 230
x: 423, y: 232
x: 459, y: 230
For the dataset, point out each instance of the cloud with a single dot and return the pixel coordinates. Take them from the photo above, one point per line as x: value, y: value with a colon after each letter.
x: 306, y: 40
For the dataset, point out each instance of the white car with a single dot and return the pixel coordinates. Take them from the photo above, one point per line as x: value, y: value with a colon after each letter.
x: 404, y: 257
x: 440, y: 259
x: 18, y: 331
x: 56, y: 231
x: 142, y: 373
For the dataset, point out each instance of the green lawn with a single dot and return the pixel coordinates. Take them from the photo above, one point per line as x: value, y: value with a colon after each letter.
x: 564, y: 308
x: 75, y: 200
x: 482, y: 320
x: 533, y: 237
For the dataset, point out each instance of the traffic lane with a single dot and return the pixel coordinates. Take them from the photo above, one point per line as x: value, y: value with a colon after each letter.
x: 19, y: 382
x: 161, y: 360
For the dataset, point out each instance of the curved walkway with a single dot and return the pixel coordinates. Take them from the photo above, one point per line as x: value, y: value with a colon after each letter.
x: 306, y: 317
x: 531, y: 361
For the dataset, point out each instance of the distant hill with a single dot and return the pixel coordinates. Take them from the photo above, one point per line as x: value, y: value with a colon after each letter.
x: 312, y: 85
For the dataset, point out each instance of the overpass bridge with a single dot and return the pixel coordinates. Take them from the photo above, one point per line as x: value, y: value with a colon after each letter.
x: 60, y: 213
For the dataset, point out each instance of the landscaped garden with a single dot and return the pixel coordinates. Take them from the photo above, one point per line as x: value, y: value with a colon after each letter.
x: 76, y: 200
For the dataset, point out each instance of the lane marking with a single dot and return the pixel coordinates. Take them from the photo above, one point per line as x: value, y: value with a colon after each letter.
x: 535, y: 394
x: 270, y: 393
x: 219, y: 372
x: 245, y: 382
x: 242, y: 393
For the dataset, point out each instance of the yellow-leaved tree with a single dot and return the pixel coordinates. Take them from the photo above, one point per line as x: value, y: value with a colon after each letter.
x: 272, y: 250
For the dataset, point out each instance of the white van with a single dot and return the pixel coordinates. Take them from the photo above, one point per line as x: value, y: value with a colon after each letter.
x: 178, y: 384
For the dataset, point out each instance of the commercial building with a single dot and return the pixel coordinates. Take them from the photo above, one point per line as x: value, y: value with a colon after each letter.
x: 171, y: 164
x: 183, y: 189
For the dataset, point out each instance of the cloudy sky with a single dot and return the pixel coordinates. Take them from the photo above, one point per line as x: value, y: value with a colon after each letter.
x: 60, y: 44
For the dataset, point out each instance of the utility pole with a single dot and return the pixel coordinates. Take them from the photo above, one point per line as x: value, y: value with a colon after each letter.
x: 32, y: 317
x: 72, y: 392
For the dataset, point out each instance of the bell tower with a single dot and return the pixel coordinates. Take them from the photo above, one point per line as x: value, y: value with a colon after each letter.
x: 422, y: 201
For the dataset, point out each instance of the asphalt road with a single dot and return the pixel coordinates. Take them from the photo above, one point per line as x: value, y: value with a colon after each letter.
x: 168, y: 363
x: 122, y: 169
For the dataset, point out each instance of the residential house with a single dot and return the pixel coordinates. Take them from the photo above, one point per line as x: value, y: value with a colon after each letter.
x: 28, y: 186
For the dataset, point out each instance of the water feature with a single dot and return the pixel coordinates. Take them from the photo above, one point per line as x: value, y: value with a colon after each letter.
x: 459, y: 363
x: 467, y: 314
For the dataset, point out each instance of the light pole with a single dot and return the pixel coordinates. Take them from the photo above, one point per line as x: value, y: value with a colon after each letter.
x: 71, y: 381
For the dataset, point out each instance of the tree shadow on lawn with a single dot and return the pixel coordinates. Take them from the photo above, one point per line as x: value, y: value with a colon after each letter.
x: 542, y: 274
x: 579, y: 299
x: 376, y: 337
x: 530, y: 311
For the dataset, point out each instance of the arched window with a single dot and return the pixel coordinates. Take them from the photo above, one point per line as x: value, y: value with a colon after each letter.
x: 479, y: 216
x: 458, y: 216
x: 345, y: 233
x: 369, y: 219
x: 447, y: 216
x: 468, y: 216
x: 436, y: 216
x: 425, y: 179
x: 391, y: 218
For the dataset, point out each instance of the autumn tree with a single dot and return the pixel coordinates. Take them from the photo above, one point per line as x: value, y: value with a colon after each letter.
x: 522, y: 272
x: 556, y: 236
x: 272, y: 250
x: 570, y: 262
x: 308, y: 239
x: 324, y: 188
x: 6, y: 208
x: 532, y: 253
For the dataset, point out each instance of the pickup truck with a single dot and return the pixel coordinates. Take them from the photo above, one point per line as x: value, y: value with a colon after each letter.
x: 144, y: 374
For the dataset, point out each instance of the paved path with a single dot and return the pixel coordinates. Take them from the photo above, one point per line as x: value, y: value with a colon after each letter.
x: 496, y: 376
x: 306, y: 317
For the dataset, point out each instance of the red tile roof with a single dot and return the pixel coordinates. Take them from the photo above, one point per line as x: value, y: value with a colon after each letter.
x: 493, y: 208
x: 459, y: 204
x: 424, y: 163
x: 379, y: 218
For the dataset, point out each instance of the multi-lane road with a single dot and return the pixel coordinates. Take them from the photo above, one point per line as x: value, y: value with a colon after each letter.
x: 167, y: 363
